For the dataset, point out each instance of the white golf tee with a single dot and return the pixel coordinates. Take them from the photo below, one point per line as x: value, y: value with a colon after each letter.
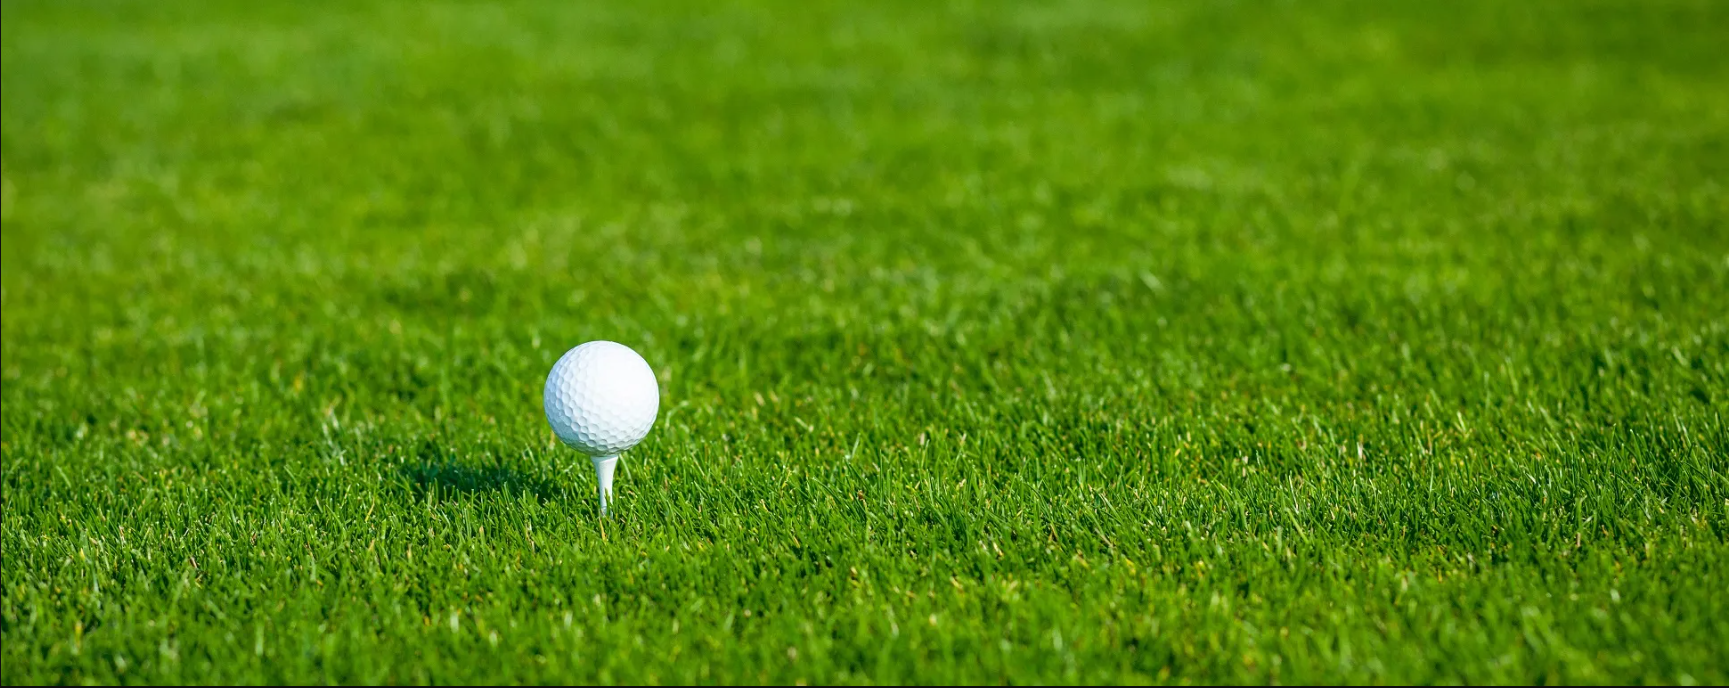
x: 603, y: 466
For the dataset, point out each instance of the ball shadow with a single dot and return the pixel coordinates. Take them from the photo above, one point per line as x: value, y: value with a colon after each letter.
x: 452, y: 478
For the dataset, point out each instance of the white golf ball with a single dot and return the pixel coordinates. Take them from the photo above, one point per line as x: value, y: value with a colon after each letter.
x: 601, y: 398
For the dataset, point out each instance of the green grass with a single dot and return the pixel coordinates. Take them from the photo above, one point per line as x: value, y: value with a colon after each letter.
x: 1001, y: 343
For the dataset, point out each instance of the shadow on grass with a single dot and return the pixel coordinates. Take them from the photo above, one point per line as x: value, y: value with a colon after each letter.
x: 451, y: 478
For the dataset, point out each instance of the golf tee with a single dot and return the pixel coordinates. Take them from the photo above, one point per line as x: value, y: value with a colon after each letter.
x: 603, y: 466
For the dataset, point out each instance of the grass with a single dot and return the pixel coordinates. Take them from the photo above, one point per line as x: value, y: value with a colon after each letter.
x: 999, y: 343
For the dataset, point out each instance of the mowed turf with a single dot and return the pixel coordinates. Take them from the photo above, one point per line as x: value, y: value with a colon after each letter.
x: 998, y: 342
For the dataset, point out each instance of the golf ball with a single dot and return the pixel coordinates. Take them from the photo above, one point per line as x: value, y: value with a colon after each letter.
x: 601, y: 398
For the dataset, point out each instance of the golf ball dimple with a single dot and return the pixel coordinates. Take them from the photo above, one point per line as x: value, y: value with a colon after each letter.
x: 601, y: 398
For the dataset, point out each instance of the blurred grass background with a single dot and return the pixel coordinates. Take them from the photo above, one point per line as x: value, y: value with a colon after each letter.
x: 999, y: 342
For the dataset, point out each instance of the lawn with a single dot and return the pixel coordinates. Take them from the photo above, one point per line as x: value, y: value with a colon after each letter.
x: 1010, y: 342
